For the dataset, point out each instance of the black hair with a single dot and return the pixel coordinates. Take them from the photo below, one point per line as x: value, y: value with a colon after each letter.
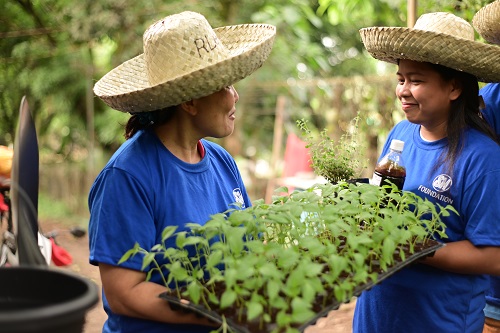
x: 465, y: 113
x: 142, y: 120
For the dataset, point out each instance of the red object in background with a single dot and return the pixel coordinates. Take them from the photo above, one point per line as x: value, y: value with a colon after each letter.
x: 297, y: 157
x: 60, y: 257
x: 3, y: 205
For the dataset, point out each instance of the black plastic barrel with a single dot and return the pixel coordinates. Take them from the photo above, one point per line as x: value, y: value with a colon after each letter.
x: 38, y: 299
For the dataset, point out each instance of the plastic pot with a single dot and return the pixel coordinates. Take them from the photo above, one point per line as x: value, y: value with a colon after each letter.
x: 38, y: 299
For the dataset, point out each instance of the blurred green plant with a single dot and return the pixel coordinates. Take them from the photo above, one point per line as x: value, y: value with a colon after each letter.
x: 334, y: 160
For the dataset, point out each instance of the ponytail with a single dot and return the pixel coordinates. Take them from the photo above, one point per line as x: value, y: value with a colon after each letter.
x: 142, y: 120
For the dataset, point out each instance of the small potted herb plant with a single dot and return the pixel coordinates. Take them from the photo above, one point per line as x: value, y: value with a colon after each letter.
x: 334, y: 160
x: 279, y: 267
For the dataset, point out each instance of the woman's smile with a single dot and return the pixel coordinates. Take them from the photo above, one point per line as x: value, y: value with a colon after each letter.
x: 407, y: 106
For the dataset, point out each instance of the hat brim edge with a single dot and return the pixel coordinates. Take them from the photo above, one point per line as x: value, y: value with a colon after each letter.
x: 144, y: 98
x: 393, y: 43
x: 487, y: 22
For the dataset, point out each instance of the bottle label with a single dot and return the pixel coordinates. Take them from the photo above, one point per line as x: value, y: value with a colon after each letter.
x: 376, y: 179
x: 381, y: 180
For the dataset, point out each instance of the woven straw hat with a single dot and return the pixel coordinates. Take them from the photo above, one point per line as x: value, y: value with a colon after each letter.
x: 439, y: 38
x: 487, y: 22
x: 183, y: 59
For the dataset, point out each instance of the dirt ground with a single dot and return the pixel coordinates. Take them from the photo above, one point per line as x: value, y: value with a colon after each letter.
x: 337, y: 321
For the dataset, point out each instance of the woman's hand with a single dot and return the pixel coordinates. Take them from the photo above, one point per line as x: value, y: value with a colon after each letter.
x: 465, y: 258
x: 129, y: 294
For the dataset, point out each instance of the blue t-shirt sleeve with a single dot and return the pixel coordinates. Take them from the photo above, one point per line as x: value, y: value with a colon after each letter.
x: 491, y: 112
x: 118, y: 221
x: 482, y: 210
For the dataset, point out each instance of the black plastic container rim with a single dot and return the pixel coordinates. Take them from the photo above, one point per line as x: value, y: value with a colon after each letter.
x: 66, y: 311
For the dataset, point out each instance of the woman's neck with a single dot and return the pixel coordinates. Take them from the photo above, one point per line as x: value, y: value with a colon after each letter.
x: 179, y: 143
x: 433, y: 133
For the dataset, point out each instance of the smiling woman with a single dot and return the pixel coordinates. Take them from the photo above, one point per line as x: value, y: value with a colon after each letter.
x: 452, y: 158
x: 425, y: 97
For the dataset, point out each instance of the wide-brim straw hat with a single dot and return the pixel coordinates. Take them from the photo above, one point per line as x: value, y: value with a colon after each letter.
x: 487, y: 22
x: 439, y: 38
x: 184, y: 59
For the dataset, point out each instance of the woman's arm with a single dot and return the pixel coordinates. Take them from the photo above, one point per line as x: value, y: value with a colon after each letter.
x: 465, y: 258
x: 129, y: 294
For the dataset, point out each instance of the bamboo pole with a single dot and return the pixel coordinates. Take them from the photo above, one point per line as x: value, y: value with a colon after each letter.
x: 277, y: 141
x: 412, y: 13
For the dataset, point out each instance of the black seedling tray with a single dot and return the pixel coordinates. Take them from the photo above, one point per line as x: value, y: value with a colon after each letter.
x: 238, y: 327
x: 367, y: 286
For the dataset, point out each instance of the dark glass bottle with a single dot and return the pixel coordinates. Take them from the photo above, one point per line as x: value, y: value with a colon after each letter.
x: 391, y: 167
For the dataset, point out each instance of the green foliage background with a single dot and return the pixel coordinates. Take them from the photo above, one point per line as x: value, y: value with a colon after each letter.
x: 53, y: 51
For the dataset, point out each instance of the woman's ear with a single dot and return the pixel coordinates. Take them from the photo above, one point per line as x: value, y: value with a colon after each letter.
x: 189, y: 107
x: 456, y: 89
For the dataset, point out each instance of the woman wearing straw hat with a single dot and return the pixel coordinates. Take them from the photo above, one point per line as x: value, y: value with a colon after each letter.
x: 452, y: 159
x: 178, y: 92
x: 487, y: 23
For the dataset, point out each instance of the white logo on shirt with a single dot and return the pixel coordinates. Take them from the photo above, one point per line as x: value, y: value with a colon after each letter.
x: 442, y: 183
x: 238, y: 197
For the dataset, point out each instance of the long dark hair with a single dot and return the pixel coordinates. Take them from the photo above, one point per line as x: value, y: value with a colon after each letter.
x: 465, y: 113
x: 142, y: 120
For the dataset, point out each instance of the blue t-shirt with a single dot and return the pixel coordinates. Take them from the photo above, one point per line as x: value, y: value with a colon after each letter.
x: 421, y: 298
x: 145, y: 188
x: 491, y: 97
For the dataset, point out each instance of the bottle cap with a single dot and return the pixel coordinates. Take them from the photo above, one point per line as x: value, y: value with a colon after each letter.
x: 397, y: 145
